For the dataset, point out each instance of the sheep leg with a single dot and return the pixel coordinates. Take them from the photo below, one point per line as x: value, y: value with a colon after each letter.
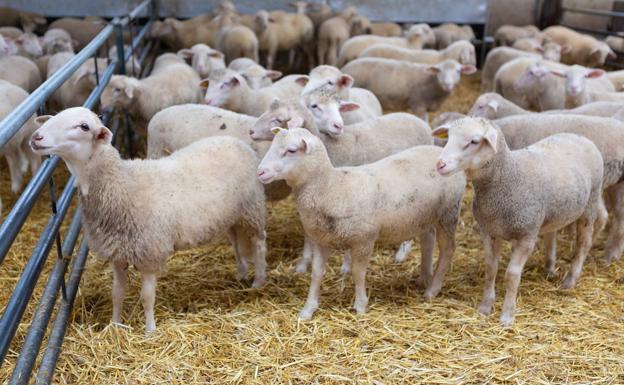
x: 270, y: 58
x: 23, y: 159
x: 492, y: 249
x: 319, y: 263
x: 519, y: 255
x: 291, y: 58
x: 306, y: 258
x: 361, y: 256
x: 321, y: 51
x: 427, y: 243
x: 259, y: 253
x: 601, y: 219
x: 615, y: 240
x: 34, y: 160
x: 346, y: 262
x: 404, y: 250
x: 17, y: 176
x: 332, y: 53
x: 148, y: 295
x: 242, y: 267
x: 446, y: 246
x: 550, y: 254
x: 120, y: 277
x: 584, y: 231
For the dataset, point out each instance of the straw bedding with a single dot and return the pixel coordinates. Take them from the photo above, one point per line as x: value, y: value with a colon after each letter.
x: 215, y: 330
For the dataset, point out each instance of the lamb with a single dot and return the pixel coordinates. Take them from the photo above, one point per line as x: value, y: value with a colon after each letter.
x: 57, y: 40
x: 461, y: 51
x: 524, y: 193
x: 493, y: 106
x: 400, y: 85
x: 256, y: 75
x: 525, y: 81
x: 20, y: 71
x: 606, y: 133
x: 178, y: 34
x: 138, y: 212
x: 295, y: 30
x: 448, y: 33
x: 386, y: 29
x: 236, y: 40
x: 578, y: 90
x: 416, y: 38
x: 318, y: 13
x: 509, y: 34
x: 615, y: 42
x: 81, y: 31
x: 16, y: 150
x: 203, y: 59
x: 423, y: 205
x: 25, y: 44
x: 133, y: 65
x: 78, y: 87
x: 549, y: 50
x: 27, y: 21
x: 332, y: 34
x: 229, y: 90
x: 585, y: 49
x: 6, y: 48
x: 171, y: 82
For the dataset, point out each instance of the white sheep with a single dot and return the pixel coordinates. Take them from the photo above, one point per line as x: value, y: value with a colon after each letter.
x: 132, y: 66
x: 449, y: 33
x: 171, y: 82
x: 20, y: 71
x: 585, y: 85
x: 203, y: 59
x: 584, y: 49
x: 606, y: 133
x: 400, y: 85
x: 236, y: 40
x: 416, y: 37
x: 256, y: 75
x: 138, y: 212
x: 509, y: 34
x: 16, y: 150
x: 524, y: 193
x: 617, y: 78
x: 461, y: 51
x: 24, y: 44
x: 57, y: 40
x: 423, y: 205
x: 229, y: 90
x: 332, y: 33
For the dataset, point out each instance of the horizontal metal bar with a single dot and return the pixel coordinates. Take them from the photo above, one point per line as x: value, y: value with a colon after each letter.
x: 587, y: 30
x: 16, y: 119
x: 94, y: 96
x: 595, y: 12
x: 53, y: 349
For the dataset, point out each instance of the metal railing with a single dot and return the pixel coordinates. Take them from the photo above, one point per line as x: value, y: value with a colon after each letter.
x: 14, y: 310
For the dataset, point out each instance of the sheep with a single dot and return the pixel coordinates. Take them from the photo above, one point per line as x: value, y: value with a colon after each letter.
x: 332, y: 34
x: 386, y: 29
x: 529, y: 44
x: 25, y: 44
x: 11, y: 32
x: 330, y: 77
x: 295, y: 30
x: 585, y: 49
x: 423, y: 204
x: 525, y: 81
x: 509, y: 34
x: 256, y: 75
x: 132, y: 66
x: 16, y: 150
x: 617, y: 79
x: 448, y: 33
x: 498, y: 57
x: 318, y: 13
x: 461, y: 51
x: 81, y: 31
x: 615, y: 42
x: 20, y: 71
x: 493, y: 106
x: 27, y: 21
x: 171, y: 82
x: 236, y: 40
x: 6, y: 47
x: 549, y: 50
x: 415, y: 38
x: 177, y: 34
x: 203, y: 59
x: 524, y: 193
x: 78, y: 87
x: 606, y: 133
x: 57, y: 40
x: 578, y: 90
x: 400, y: 85
x: 229, y: 90
x: 138, y: 212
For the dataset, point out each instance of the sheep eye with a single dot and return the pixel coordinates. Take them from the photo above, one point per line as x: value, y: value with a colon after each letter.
x: 84, y: 127
x: 330, y: 83
x: 314, y: 106
x: 475, y: 141
x: 278, y: 120
x: 291, y: 150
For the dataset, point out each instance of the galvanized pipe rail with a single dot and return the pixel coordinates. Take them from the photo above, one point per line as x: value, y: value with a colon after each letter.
x: 9, y: 229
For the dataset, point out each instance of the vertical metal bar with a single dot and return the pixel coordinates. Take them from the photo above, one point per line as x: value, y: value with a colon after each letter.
x: 121, y: 62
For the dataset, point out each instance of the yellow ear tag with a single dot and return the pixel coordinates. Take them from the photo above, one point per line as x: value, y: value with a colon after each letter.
x: 441, y: 134
x: 276, y: 130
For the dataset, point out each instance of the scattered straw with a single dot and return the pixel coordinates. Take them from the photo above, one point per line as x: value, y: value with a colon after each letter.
x: 214, y: 330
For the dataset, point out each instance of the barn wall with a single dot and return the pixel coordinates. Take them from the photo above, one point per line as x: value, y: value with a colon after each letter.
x: 463, y: 11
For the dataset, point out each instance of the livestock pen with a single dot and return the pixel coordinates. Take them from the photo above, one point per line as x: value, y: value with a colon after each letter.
x: 214, y: 329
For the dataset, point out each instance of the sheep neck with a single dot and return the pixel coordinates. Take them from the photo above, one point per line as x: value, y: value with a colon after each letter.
x: 313, y: 173
x: 492, y: 170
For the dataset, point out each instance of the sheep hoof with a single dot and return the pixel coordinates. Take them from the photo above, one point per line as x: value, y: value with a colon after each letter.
x: 430, y: 295
x: 568, y: 283
x: 257, y: 283
x: 422, y: 282
x: 345, y: 268
x: 301, y: 267
x: 306, y: 313
x: 550, y: 273
x: 507, y: 320
x: 485, y: 307
x: 360, y: 308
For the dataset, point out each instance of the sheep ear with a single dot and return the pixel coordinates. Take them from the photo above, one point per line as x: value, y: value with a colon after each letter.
x: 594, y: 73
x: 539, y: 50
x: 348, y: 106
x: 558, y: 73
x: 295, y: 122
x: 234, y: 81
x: 129, y: 90
x: 104, y: 135
x: 493, y: 104
x: 275, y: 103
x: 611, y: 54
x: 271, y: 74
x: 306, y: 146
x: 276, y: 130
x: 433, y: 69
x: 491, y: 136
x: 566, y: 48
x: 345, y: 81
x: 468, y: 69
x: 441, y: 132
x: 302, y: 80
x: 39, y: 120
x: 204, y: 83
x: 216, y: 55
x: 185, y: 53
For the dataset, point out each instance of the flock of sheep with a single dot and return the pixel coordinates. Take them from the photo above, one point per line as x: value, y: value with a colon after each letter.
x: 224, y: 136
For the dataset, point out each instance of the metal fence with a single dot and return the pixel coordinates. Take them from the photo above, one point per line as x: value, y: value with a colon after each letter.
x: 59, y: 280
